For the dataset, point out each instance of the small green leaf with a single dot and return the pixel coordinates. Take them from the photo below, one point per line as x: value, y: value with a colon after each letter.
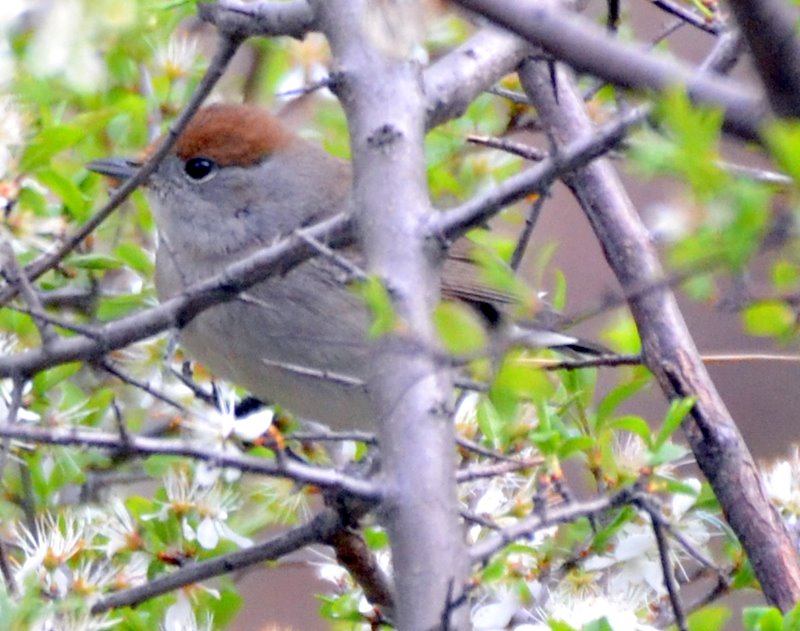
x: 791, y: 619
x: 785, y: 275
x: 709, y: 619
x: 44, y: 381
x: 601, y: 539
x: 668, y: 452
x: 157, y: 466
x: 575, y: 444
x: 135, y: 257
x: 48, y: 143
x: 94, y: 261
x: 489, y: 421
x: 783, y: 139
x: 762, y: 619
x: 459, y: 328
x: 601, y: 624
x: 119, y: 306
x: 678, y: 409
x: 770, y: 318
x: 619, y: 395
x: 379, y: 303
x: 66, y: 190
x: 494, y: 571
x: 376, y: 538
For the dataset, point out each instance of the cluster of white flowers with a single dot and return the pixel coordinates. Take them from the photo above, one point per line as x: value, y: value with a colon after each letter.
x: 623, y: 583
x: 91, y: 551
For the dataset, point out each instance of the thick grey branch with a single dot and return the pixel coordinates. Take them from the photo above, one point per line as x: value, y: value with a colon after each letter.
x: 668, y: 348
x: 385, y: 108
x: 455, y: 80
x: 587, y: 48
x: 245, y: 19
x: 770, y: 29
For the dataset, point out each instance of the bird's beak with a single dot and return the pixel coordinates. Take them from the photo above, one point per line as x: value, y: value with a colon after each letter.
x: 120, y: 169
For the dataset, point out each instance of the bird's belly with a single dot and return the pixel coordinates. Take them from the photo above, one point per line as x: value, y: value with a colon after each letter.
x: 305, y: 351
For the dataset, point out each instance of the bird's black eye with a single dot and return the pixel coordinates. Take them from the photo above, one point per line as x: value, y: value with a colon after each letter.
x: 199, y: 168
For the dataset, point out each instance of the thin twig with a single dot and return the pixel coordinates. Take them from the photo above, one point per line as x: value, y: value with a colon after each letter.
x: 515, y: 97
x: 504, y: 144
x: 500, y: 468
x: 492, y: 544
x: 144, y: 446
x: 109, y: 367
x: 527, y: 231
x: 666, y: 565
x: 17, y: 278
x: 689, y: 17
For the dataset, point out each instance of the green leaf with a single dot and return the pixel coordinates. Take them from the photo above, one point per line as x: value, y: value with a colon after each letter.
x: 575, y: 444
x: 376, y: 538
x: 157, y: 466
x: 791, y: 619
x: 623, y: 336
x: 459, y: 328
x: 783, y: 140
x: 619, y: 395
x: 135, y: 257
x: 769, y: 318
x: 44, y: 381
x: 489, y: 421
x: 785, y: 275
x: 94, y: 261
x: 667, y: 452
x: 678, y: 409
x: 762, y: 619
x: 560, y: 625
x: 558, y: 297
x: 119, y: 306
x: 599, y: 625
x: 48, y: 143
x: 66, y: 190
x: 494, y: 571
x: 31, y: 199
x: 517, y: 381
x: 673, y: 486
x: 622, y: 517
x: 709, y: 619
x: 379, y: 303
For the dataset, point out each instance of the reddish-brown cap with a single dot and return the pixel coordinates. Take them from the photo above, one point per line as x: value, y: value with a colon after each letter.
x: 232, y: 135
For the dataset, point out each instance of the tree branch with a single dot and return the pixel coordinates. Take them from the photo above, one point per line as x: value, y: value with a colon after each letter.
x: 386, y: 120
x: 246, y: 19
x: 451, y: 224
x: 179, y: 310
x: 143, y: 446
x: 668, y: 348
x: 320, y: 529
x: 455, y: 80
x: 769, y: 27
x: 576, y: 41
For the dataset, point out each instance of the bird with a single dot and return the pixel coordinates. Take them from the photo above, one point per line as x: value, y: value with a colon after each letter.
x: 238, y: 180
